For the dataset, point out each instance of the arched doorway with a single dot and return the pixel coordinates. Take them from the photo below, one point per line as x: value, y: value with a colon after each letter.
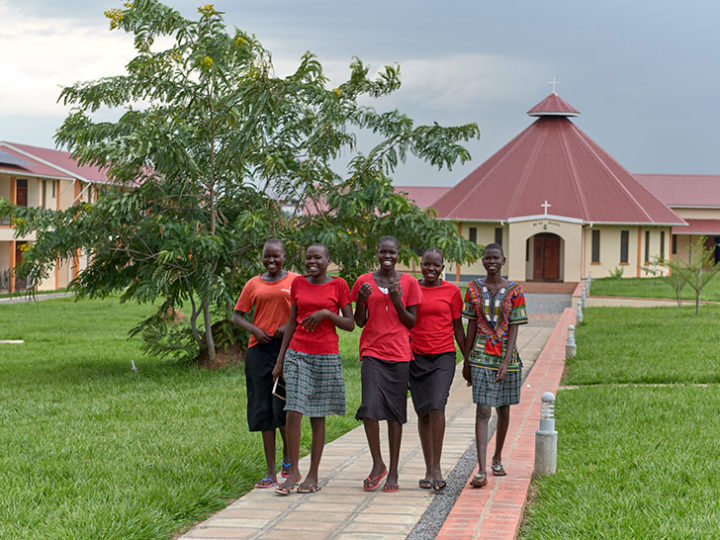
x: 546, y: 257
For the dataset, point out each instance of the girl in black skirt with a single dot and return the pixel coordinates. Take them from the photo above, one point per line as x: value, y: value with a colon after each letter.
x: 386, y: 307
x: 439, y: 319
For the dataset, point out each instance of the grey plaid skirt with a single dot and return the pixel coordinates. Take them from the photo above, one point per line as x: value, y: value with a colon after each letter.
x: 314, y: 384
x: 486, y: 391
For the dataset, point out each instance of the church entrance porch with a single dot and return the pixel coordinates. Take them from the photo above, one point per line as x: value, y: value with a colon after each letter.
x: 544, y: 257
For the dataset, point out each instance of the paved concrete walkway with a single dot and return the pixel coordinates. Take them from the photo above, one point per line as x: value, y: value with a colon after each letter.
x: 20, y: 298
x: 342, y: 510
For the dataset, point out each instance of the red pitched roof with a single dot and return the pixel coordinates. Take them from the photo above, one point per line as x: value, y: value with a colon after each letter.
x: 553, y: 160
x: 423, y: 196
x: 553, y: 105
x: 684, y: 190
x: 49, y: 163
x: 699, y: 226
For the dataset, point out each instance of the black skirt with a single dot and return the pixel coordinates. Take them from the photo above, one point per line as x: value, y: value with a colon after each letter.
x: 265, y: 412
x: 384, y: 390
x: 430, y: 378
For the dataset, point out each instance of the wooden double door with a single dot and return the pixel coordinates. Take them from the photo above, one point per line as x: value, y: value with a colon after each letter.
x: 546, y: 258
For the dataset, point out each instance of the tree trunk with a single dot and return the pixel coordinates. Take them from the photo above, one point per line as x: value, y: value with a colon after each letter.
x: 208, y: 331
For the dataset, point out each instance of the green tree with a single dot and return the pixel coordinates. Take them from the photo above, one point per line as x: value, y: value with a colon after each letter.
x: 209, y: 149
x: 698, y: 270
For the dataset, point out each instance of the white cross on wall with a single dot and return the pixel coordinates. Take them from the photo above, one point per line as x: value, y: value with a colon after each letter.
x: 554, y: 83
x: 546, y: 205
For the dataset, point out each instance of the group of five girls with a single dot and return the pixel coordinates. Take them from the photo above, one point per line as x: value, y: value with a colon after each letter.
x: 408, y: 340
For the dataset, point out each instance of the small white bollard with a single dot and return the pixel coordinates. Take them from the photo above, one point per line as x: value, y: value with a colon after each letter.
x: 570, y: 347
x: 583, y: 297
x: 546, y: 437
x: 579, y: 314
x: 588, y: 282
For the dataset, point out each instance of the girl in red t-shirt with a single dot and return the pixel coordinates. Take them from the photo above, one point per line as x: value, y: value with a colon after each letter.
x: 386, y: 308
x: 310, y: 363
x: 439, y: 319
x: 269, y: 294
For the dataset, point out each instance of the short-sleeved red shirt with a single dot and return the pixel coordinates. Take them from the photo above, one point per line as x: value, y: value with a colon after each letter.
x: 384, y: 336
x: 271, y: 300
x: 434, y: 332
x: 309, y: 298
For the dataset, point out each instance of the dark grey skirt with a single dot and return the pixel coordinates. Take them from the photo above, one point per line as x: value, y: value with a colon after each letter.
x: 486, y: 391
x: 265, y: 412
x: 384, y: 390
x: 430, y: 378
x: 314, y: 384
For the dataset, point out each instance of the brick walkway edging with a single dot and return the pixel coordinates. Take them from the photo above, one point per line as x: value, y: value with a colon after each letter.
x: 496, y: 510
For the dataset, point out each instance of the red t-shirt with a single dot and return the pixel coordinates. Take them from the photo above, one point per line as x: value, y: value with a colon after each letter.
x: 433, y: 332
x: 309, y: 298
x: 271, y: 300
x: 384, y: 336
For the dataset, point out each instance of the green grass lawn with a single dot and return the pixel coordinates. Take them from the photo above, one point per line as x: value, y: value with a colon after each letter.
x: 636, y: 460
x: 651, y: 288
x: 92, y: 449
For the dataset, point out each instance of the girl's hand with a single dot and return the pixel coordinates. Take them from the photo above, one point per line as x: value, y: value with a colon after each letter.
x: 310, y: 322
x: 280, y: 332
x: 364, y: 291
x: 502, y: 370
x: 466, y: 373
x: 277, y: 370
x: 395, y: 291
x: 261, y: 335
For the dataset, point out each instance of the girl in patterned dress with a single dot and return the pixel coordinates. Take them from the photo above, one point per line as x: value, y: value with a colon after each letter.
x: 495, y: 308
x: 309, y: 360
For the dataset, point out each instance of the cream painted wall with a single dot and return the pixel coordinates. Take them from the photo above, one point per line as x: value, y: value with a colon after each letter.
x: 5, y: 187
x: 698, y: 213
x: 485, y: 236
x: 520, y: 268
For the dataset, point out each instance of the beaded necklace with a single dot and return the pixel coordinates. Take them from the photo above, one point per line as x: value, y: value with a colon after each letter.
x: 491, y: 305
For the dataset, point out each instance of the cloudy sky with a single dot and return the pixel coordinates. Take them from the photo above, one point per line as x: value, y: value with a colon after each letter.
x: 643, y: 73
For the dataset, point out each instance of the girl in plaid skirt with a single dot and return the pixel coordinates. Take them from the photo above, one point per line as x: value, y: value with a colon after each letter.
x: 495, y: 308
x: 309, y: 360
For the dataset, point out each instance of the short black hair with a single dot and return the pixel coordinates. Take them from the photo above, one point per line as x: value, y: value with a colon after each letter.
x: 274, y: 242
x: 389, y: 238
x: 494, y: 246
x: 435, y: 250
x: 318, y: 244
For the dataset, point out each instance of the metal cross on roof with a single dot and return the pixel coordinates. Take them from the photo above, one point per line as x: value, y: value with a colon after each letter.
x: 554, y: 83
x: 546, y: 205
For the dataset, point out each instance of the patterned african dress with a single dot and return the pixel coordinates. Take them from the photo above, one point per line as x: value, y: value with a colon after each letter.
x: 493, y: 314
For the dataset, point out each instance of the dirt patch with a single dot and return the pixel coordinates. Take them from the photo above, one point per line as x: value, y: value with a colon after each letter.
x: 234, y: 356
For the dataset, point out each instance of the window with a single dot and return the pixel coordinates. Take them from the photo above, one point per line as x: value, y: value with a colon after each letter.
x: 498, y: 235
x: 624, y: 243
x: 472, y: 233
x: 596, y: 246
x: 674, y: 244
x: 662, y: 244
x: 647, y: 246
x: 43, y: 194
x: 54, y: 186
x: 21, y: 192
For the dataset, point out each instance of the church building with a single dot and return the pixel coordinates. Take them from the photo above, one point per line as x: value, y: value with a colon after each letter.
x: 563, y: 208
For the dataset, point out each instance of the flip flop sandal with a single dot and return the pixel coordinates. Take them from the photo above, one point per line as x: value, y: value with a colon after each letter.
x: 390, y: 488
x: 285, y: 489
x: 266, y: 482
x: 372, y: 482
x: 438, y: 485
x: 308, y: 488
x: 285, y: 469
x: 479, y: 480
x: 498, y: 469
x: 425, y: 483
